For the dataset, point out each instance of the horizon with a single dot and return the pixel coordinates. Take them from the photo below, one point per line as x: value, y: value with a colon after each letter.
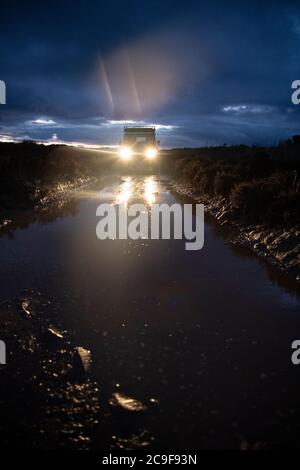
x: 56, y: 142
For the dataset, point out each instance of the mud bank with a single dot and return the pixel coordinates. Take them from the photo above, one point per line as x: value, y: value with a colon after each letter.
x: 45, y: 372
x: 279, y: 246
x: 39, y: 199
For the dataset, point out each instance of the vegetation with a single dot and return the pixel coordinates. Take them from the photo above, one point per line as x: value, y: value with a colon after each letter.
x: 28, y: 171
x: 261, y: 184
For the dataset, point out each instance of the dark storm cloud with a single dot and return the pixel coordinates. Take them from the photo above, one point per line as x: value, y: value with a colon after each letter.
x: 217, y: 71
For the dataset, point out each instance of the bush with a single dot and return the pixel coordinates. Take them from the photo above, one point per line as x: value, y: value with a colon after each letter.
x: 287, y: 208
x: 224, y: 183
x: 252, y: 196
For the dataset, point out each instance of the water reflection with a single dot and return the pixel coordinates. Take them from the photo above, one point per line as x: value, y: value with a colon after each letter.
x: 150, y: 190
x: 125, y: 191
x: 144, y: 190
x: 23, y: 219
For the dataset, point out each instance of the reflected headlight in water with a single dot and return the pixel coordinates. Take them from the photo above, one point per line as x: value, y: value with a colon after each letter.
x: 151, y: 152
x: 150, y: 191
x: 125, y: 191
x: 125, y: 153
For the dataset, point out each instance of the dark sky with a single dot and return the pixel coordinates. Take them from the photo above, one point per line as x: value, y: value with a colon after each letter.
x: 204, y: 72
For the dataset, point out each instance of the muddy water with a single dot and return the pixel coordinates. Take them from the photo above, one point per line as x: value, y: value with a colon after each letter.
x: 179, y: 350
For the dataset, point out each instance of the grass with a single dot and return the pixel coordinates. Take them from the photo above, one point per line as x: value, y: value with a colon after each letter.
x: 261, y: 184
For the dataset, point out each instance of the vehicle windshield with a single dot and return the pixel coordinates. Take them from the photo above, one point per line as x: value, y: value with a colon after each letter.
x: 139, y: 137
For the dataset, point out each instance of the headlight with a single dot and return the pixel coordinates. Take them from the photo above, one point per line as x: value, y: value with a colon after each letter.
x: 151, y: 152
x: 125, y: 153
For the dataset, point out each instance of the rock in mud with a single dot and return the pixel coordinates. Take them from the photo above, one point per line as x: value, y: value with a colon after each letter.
x: 52, y: 338
x: 79, y: 370
x: 4, y: 222
x: 85, y: 356
x: 127, y: 403
x: 25, y: 307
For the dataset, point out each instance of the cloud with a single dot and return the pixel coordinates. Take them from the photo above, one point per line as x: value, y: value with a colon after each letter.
x: 243, y: 109
x: 43, y: 122
x: 121, y: 123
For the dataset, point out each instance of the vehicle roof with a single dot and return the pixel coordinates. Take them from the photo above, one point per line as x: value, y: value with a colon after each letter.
x: 139, y: 130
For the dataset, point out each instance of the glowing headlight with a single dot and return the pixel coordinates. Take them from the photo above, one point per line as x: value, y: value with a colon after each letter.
x: 125, y: 153
x: 151, y: 152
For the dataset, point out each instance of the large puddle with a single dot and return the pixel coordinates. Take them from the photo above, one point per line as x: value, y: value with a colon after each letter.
x: 183, y: 350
